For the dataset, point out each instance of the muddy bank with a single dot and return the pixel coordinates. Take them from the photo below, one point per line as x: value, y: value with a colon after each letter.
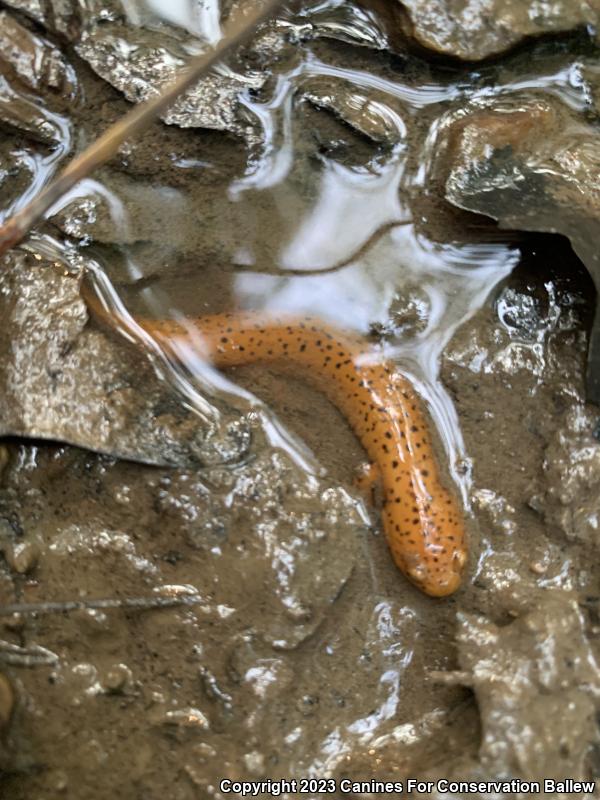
x: 298, y: 649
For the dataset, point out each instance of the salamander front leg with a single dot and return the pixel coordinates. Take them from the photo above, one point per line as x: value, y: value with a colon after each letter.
x: 368, y: 482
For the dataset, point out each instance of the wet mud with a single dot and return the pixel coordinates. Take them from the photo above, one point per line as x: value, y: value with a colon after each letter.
x: 192, y: 587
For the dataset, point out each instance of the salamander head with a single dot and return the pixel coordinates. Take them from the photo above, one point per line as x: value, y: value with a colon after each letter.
x: 440, y: 578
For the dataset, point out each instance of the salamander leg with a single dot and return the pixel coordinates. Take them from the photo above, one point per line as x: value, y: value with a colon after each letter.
x: 368, y: 483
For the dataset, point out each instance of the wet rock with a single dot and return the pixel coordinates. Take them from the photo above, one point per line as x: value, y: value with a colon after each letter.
x: 64, y: 17
x: 64, y: 381
x: 532, y: 165
x: 571, y: 479
x: 346, y: 22
x: 537, y: 686
x: 32, y: 8
x: 23, y: 114
x: 539, y: 337
x: 18, y: 173
x: 475, y: 30
x: 35, y: 80
x: 139, y: 55
x: 33, y: 59
x: 140, y: 63
x: 370, y: 112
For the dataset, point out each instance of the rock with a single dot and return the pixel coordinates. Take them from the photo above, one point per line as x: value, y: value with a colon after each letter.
x: 533, y: 165
x: 64, y: 381
x: 36, y: 62
x: 64, y: 17
x: 23, y: 114
x: 139, y: 55
x: 140, y: 63
x: 373, y: 113
x: 475, y: 29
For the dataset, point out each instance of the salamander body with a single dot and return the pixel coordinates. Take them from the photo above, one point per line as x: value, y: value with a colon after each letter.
x: 422, y: 521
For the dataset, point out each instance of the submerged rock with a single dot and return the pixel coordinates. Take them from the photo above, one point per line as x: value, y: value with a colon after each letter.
x: 533, y: 165
x: 65, y: 17
x: 33, y: 59
x: 35, y: 81
x: 373, y: 113
x: 23, y: 114
x: 140, y: 56
x: 476, y: 29
x: 64, y: 381
x: 140, y: 63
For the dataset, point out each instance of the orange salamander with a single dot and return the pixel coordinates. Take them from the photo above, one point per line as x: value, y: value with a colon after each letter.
x: 422, y: 521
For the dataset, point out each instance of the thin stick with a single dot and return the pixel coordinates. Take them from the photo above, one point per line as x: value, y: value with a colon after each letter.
x: 139, y: 603
x: 139, y: 118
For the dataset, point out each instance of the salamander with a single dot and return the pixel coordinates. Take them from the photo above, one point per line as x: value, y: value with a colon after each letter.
x: 422, y: 521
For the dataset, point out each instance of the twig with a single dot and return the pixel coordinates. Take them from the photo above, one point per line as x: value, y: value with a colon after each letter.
x: 33, y: 656
x: 140, y: 603
x: 139, y: 118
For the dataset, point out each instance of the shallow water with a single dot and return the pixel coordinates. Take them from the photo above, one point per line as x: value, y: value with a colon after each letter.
x: 339, y: 235
x: 310, y: 654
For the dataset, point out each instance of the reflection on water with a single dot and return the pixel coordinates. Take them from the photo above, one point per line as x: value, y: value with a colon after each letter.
x: 200, y: 19
x: 352, y: 205
x: 36, y: 166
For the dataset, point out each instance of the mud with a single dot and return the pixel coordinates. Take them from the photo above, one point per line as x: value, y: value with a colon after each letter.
x: 520, y: 687
x: 297, y: 649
